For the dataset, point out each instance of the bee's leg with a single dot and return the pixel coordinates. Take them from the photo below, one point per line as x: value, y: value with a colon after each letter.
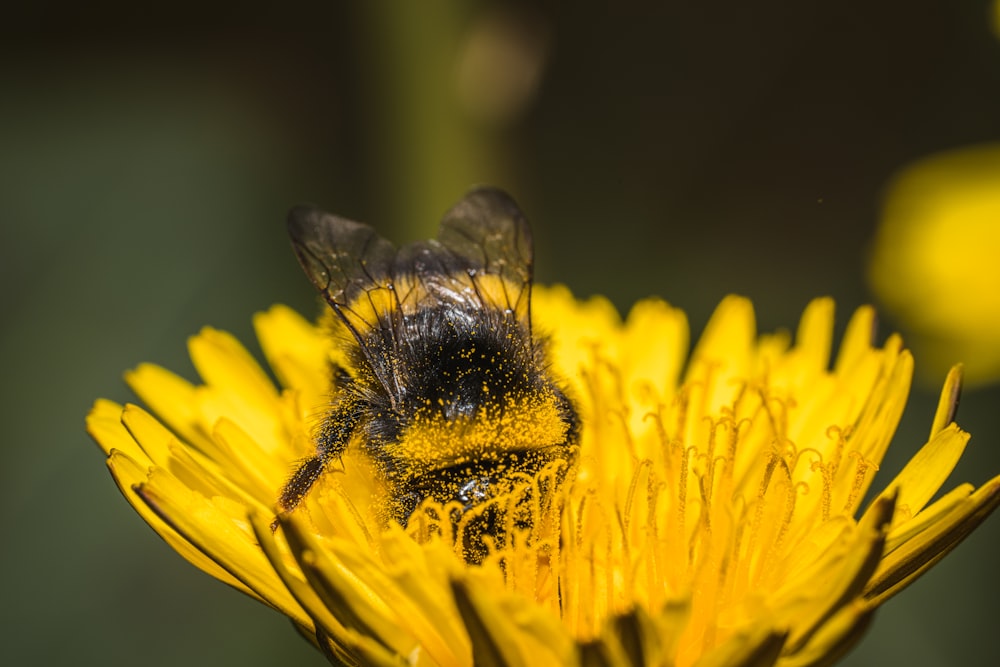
x: 334, y: 434
x: 300, y: 482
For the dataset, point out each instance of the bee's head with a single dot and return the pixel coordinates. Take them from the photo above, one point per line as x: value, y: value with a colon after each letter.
x: 483, y: 500
x: 483, y: 467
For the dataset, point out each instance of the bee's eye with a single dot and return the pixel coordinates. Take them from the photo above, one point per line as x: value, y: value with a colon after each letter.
x: 474, y: 491
x: 467, y: 483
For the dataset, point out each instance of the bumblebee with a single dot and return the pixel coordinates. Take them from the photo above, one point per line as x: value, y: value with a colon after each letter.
x: 444, y: 386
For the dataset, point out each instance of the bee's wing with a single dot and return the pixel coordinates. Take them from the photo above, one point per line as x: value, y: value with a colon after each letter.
x: 484, y: 237
x: 343, y: 259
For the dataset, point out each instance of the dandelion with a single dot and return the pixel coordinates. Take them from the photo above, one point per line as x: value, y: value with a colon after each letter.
x: 938, y: 209
x: 717, y: 513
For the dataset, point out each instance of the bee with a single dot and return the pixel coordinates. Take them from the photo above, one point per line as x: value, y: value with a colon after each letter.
x: 444, y: 386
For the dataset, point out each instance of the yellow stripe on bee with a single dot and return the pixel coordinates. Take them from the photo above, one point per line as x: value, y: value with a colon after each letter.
x: 409, y: 294
x: 433, y: 442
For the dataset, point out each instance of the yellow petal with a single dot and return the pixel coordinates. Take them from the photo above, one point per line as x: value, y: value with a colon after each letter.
x: 257, y: 472
x: 877, y: 424
x: 221, y: 530
x: 756, y: 647
x: 497, y: 639
x: 164, y: 449
x: 236, y: 388
x: 655, y: 344
x: 354, y: 592
x: 948, y: 403
x: 373, y: 653
x: 173, y: 399
x: 834, y: 638
x: 720, y: 364
x: 858, y: 339
x: 104, y: 424
x: 297, y: 351
x: 129, y: 475
x: 726, y: 348
x: 839, y: 577
x: 280, y: 557
x: 814, y: 338
x: 904, y: 531
x: 222, y: 361
x: 574, y: 328
x: 911, y: 559
x: 921, y: 478
x: 419, y: 575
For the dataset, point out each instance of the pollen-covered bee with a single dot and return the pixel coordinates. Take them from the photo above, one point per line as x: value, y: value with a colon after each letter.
x: 444, y: 386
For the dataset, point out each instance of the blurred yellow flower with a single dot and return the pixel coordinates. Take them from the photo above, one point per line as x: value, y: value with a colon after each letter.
x: 935, y: 261
x: 714, y: 519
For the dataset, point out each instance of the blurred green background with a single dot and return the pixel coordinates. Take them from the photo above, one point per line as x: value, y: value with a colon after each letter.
x: 148, y: 155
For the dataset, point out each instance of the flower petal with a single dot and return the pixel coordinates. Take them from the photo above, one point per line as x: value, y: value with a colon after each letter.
x: 575, y: 329
x: 655, y: 345
x: 839, y: 578
x: 505, y: 631
x: 724, y: 352
x: 128, y: 476
x: 219, y: 529
x: 104, y: 424
x: 948, y: 403
x: 326, y: 628
x: 834, y: 639
x: 912, y: 558
x: 858, y: 339
x: 814, y: 338
x: 130, y: 467
x: 494, y: 641
x: 173, y: 399
x: 258, y: 473
x: 293, y: 346
x: 759, y: 647
x: 921, y: 478
x: 351, y: 586
x: 236, y: 387
x: 298, y: 352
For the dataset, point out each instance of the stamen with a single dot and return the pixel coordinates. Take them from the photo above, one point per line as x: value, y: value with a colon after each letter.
x: 862, y: 466
x: 826, y: 474
x: 768, y: 561
x: 683, y: 485
x: 778, y: 426
x: 841, y: 435
x: 622, y: 418
x: 735, y: 553
x: 683, y: 402
x: 653, y: 555
x: 643, y: 465
x: 628, y: 580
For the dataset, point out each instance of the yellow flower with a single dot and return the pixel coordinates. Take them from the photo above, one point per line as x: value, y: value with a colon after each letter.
x: 934, y: 263
x: 715, y: 516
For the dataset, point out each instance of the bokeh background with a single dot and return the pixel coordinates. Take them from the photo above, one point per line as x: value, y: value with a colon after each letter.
x: 148, y: 154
